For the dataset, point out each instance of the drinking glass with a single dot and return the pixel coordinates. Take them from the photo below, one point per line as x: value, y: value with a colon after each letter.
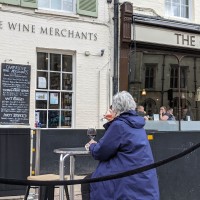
x: 91, y: 133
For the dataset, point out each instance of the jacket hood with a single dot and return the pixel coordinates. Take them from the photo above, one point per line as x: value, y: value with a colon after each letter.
x: 131, y: 118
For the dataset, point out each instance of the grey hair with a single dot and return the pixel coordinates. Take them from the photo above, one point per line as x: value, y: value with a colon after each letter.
x: 123, y: 102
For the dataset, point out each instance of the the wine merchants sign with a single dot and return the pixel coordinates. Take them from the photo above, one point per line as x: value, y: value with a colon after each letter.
x: 15, y: 94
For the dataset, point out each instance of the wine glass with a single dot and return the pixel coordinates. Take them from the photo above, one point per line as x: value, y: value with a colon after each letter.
x: 91, y: 133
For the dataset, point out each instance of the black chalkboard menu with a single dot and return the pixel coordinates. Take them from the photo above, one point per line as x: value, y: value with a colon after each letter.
x: 15, y: 94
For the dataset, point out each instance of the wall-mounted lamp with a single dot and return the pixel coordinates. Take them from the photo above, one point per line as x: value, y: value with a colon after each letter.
x: 102, y: 52
x: 87, y: 53
x: 183, y: 96
x: 144, y: 92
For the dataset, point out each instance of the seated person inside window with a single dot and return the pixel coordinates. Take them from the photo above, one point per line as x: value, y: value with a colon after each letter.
x: 186, y: 114
x: 171, y: 115
x: 141, y: 112
x: 164, y: 116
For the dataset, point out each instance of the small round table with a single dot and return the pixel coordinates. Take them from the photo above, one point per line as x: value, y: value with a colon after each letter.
x: 71, y: 153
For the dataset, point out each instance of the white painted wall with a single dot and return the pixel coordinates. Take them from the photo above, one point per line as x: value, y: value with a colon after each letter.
x: 92, y: 72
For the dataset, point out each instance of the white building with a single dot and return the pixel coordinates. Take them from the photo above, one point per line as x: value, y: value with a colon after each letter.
x: 66, y: 48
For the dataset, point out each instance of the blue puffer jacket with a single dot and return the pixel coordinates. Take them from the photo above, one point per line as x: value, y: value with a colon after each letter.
x: 124, y: 147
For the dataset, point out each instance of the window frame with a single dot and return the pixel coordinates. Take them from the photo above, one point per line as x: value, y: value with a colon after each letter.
x: 59, y: 10
x: 151, y: 66
x: 60, y: 108
x: 183, y: 76
x: 169, y: 13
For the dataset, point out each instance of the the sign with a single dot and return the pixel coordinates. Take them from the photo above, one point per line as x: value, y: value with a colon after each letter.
x: 166, y: 36
x: 15, y: 94
x: 63, y: 32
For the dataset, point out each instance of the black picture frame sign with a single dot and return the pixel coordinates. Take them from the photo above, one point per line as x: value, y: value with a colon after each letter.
x: 15, y: 94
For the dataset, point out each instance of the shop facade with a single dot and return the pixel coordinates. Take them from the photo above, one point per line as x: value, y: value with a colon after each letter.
x: 160, y: 66
x: 56, y: 71
x: 62, y: 62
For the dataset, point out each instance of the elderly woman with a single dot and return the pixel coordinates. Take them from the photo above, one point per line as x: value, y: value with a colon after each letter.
x: 123, y: 147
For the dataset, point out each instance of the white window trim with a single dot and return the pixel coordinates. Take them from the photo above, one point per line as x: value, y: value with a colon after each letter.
x: 55, y: 12
x: 73, y: 92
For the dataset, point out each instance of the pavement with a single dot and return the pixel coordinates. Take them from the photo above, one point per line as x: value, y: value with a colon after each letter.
x: 33, y: 193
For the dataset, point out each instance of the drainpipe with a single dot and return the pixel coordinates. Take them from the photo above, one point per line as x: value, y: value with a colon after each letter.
x: 116, y: 46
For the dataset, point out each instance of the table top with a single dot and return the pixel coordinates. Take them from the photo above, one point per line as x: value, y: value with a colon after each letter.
x: 72, y: 151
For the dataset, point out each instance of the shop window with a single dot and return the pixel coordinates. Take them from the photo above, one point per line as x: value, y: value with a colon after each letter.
x: 178, y: 8
x: 174, y: 76
x: 54, y: 93
x: 149, y: 76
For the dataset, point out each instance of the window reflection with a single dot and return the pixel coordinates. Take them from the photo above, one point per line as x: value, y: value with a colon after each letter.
x: 66, y: 101
x: 53, y: 119
x: 67, y: 82
x: 159, y: 75
x: 42, y: 61
x: 54, y: 81
x: 66, y: 121
x: 55, y: 63
x: 67, y: 63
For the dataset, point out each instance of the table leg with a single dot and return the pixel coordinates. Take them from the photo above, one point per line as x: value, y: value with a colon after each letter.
x: 61, y: 172
x: 72, y: 163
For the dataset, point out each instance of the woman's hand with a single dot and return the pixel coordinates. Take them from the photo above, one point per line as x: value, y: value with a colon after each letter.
x: 146, y: 118
x: 87, y: 146
x: 92, y: 142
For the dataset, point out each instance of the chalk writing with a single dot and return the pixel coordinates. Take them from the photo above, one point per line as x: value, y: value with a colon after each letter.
x: 15, y: 94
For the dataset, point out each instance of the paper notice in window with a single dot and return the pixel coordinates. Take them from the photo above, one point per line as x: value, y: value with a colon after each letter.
x: 41, y: 96
x: 53, y: 98
x: 37, y: 116
x: 42, y: 83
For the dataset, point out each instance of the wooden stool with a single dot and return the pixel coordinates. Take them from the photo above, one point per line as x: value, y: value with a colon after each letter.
x: 46, y: 192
